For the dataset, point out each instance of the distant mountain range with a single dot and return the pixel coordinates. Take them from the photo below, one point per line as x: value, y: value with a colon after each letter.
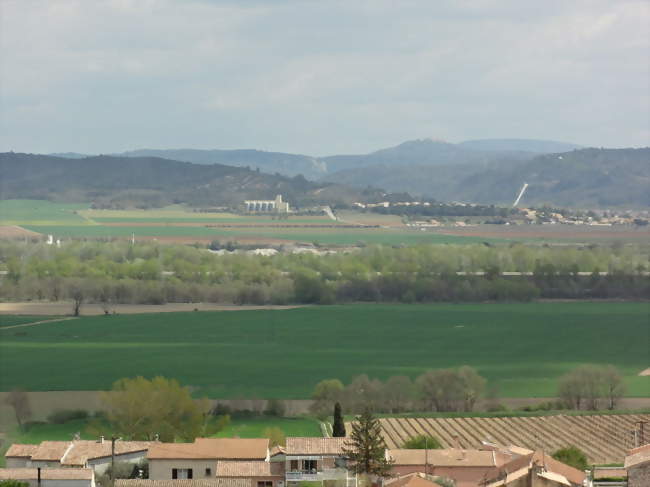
x: 421, y: 151
x: 481, y: 171
x: 111, y: 181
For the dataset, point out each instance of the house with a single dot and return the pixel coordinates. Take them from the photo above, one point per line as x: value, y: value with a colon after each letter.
x: 466, y: 467
x: 76, y: 453
x: 637, y: 464
x: 199, y: 460
x: 316, y: 460
x: 537, y: 469
x: 418, y: 479
x: 490, y: 467
x: 50, y: 477
x: 259, y: 473
x: 181, y: 483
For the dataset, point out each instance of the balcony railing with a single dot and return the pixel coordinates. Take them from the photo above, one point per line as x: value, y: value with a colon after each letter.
x: 325, y: 474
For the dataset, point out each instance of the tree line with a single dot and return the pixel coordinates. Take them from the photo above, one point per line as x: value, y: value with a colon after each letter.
x: 588, y: 387
x: 149, y: 273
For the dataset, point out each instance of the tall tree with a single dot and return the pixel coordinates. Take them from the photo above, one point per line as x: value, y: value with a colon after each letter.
x: 142, y: 409
x: 19, y: 401
x: 338, y: 428
x: 366, y: 449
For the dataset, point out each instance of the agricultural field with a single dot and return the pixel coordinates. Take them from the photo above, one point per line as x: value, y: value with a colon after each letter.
x: 520, y: 348
x: 183, y: 225
x: 604, y: 438
x: 20, y: 320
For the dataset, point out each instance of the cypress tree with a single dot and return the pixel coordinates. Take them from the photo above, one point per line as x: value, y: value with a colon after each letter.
x: 338, y: 428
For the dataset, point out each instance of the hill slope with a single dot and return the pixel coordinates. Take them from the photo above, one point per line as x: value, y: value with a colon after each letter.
x: 580, y: 178
x: 150, y: 181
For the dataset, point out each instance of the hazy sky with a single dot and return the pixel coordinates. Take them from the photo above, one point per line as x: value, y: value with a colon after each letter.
x: 320, y: 77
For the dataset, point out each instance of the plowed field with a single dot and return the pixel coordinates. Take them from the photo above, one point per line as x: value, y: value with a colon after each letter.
x: 604, y: 438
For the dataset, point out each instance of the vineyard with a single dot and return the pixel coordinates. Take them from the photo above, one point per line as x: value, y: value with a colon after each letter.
x: 604, y: 438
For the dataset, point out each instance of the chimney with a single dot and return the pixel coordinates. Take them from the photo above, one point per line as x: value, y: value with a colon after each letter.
x: 38, y: 481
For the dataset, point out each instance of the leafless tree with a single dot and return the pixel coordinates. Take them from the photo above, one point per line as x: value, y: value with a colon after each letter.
x: 19, y: 401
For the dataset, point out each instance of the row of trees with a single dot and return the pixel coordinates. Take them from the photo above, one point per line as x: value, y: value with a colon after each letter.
x: 435, y: 390
x: 117, y: 272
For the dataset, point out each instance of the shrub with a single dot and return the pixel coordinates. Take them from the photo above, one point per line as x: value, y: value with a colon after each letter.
x: 420, y: 442
x: 572, y: 456
x: 275, y: 407
x: 61, y: 416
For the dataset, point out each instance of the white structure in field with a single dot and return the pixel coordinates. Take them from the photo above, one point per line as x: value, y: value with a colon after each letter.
x: 267, y: 206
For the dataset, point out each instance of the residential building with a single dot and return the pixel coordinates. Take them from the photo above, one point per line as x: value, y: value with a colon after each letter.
x: 537, y: 469
x: 182, y: 483
x: 259, y: 473
x: 637, y: 464
x: 199, y: 460
x: 316, y: 460
x: 76, y: 453
x: 51, y: 477
x: 465, y: 467
x: 418, y: 479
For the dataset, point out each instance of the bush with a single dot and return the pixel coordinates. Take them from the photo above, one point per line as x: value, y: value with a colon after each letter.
x: 572, y: 456
x: 275, y: 407
x: 13, y: 483
x: 61, y: 416
x: 30, y: 424
x: 420, y: 442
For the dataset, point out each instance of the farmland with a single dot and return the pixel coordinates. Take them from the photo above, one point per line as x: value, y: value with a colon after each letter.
x: 184, y: 225
x: 521, y: 348
x: 604, y: 438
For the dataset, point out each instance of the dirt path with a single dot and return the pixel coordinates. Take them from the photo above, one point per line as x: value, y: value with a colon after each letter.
x: 64, y: 308
x: 37, y: 323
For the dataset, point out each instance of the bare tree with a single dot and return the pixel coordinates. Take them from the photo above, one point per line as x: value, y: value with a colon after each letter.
x: 398, y: 393
x: 613, y: 385
x: 77, y: 293
x: 19, y: 401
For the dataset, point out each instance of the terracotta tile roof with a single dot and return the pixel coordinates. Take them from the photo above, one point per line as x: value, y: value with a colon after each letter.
x: 83, y: 450
x: 46, y: 473
x: 411, y: 480
x: 51, y: 451
x: 277, y: 450
x: 183, y: 483
x: 573, y: 475
x: 526, y: 462
x: 228, y: 468
x: 451, y: 457
x: 637, y: 456
x: 315, y: 446
x: 18, y: 450
x: 213, y: 448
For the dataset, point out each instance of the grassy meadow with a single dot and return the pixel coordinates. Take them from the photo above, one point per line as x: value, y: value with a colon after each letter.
x: 522, y: 348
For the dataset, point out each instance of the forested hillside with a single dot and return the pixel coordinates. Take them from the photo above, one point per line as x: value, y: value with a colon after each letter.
x: 580, y: 178
x: 109, y: 181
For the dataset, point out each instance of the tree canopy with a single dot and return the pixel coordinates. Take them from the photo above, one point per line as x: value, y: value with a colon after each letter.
x: 142, y: 409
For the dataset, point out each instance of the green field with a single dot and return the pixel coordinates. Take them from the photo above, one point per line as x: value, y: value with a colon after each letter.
x: 40, y: 212
x: 6, y: 320
x: 523, y: 348
x: 254, y: 427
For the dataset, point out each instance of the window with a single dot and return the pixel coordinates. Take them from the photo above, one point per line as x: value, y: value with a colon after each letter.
x: 181, y: 473
x: 264, y: 483
x: 208, y: 472
x: 293, y: 465
x: 310, y: 466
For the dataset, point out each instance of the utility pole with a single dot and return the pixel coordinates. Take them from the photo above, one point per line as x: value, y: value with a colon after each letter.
x: 426, y: 457
x: 113, y: 438
x: 641, y: 437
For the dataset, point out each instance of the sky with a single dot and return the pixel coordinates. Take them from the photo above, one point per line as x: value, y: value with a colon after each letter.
x: 320, y: 77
